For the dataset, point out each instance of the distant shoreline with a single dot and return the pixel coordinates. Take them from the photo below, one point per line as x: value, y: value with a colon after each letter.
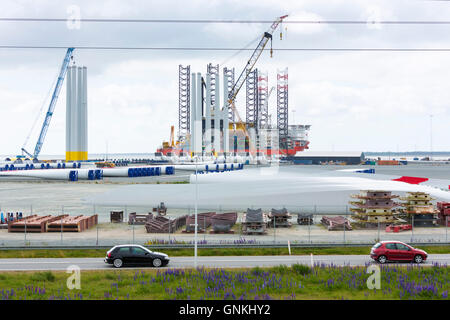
x: 408, y: 153
x: 419, y: 154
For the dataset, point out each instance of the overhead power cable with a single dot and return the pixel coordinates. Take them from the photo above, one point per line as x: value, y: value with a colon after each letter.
x: 223, y: 48
x: 111, y: 20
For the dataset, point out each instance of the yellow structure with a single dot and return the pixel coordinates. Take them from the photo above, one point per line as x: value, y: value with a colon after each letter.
x: 418, y: 203
x: 419, y: 209
x: 373, y: 207
x: 76, y: 156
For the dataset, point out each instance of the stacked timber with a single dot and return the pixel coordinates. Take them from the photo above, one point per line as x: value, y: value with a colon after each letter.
x: 336, y: 223
x: 73, y: 224
x: 33, y: 223
x: 444, y: 213
x: 138, y: 219
x: 279, y: 218
x: 374, y: 207
x: 254, y: 222
x: 159, y: 224
x: 223, y: 222
x: 305, y: 219
x: 116, y: 216
x: 203, y: 222
x: 419, y: 209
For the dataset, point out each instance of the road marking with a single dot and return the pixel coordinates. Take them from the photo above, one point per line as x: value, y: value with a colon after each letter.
x: 204, y: 260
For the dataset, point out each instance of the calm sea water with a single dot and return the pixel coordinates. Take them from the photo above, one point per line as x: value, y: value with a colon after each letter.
x: 92, y: 156
x: 445, y: 155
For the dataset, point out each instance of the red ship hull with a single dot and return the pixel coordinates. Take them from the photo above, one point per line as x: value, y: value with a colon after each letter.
x: 267, y: 152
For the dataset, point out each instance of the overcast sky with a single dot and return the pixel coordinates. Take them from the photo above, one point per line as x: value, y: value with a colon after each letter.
x: 369, y: 101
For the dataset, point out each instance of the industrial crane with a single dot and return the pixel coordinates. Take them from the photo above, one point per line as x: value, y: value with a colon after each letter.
x: 250, y: 64
x: 168, y: 146
x: 51, y: 107
x: 172, y: 136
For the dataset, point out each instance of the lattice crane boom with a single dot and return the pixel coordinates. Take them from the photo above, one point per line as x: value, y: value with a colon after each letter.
x: 249, y: 67
x: 51, y: 107
x: 252, y: 61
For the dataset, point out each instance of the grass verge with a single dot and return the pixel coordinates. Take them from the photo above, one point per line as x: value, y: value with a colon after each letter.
x: 280, y: 282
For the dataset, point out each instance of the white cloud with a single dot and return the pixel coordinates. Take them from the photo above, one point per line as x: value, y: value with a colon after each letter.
x: 299, y: 28
x: 359, y: 100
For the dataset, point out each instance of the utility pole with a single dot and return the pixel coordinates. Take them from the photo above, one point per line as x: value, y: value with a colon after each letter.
x: 431, y: 137
x: 195, y: 212
x: 106, y: 154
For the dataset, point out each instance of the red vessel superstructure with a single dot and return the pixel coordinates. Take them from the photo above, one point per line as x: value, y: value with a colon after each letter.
x: 296, y: 141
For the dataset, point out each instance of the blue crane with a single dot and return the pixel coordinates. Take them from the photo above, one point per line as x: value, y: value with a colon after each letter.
x: 51, y: 107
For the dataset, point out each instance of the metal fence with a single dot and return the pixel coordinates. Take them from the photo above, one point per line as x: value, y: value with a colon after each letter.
x: 106, y: 233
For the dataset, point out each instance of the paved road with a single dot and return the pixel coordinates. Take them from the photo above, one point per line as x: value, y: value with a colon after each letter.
x: 22, y: 264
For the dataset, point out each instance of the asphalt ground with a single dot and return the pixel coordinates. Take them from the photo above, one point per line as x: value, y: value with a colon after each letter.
x: 55, y: 264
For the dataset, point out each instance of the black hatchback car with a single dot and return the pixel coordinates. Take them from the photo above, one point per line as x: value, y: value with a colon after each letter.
x: 135, y: 255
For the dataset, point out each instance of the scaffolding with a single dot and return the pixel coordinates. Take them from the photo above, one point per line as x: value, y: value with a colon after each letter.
x: 251, y: 110
x: 282, y: 107
x: 263, y: 100
x: 213, y: 70
x: 184, y: 102
x: 230, y: 84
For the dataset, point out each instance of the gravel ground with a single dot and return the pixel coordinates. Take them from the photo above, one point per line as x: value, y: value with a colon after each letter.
x: 49, y: 197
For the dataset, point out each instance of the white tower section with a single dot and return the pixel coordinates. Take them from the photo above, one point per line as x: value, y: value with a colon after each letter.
x: 217, y: 118
x: 198, y: 116
x: 226, y: 131
x: 76, y: 114
x: 207, y: 136
x: 193, y: 100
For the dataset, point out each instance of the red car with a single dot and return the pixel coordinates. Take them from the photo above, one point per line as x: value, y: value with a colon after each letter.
x: 396, y: 251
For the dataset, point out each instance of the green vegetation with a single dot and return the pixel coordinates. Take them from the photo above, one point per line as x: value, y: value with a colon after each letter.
x: 281, y: 282
x: 53, y: 253
x: 301, y: 269
x: 43, y: 276
x: 97, y: 253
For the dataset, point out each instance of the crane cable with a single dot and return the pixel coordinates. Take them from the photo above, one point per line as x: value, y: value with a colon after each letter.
x: 241, y: 50
x: 38, y: 116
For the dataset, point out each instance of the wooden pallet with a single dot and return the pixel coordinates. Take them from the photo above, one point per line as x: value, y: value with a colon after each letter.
x: 139, y: 219
x: 73, y: 224
x: 34, y: 223
x: 159, y: 224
